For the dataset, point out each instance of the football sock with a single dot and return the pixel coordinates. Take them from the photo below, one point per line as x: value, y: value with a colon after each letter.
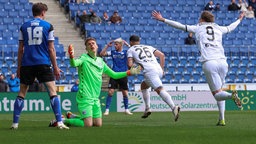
x: 167, y: 98
x: 125, y: 99
x: 108, y: 101
x: 222, y: 95
x: 18, y: 106
x: 55, y: 103
x: 221, y: 106
x: 75, y: 122
x: 146, y: 97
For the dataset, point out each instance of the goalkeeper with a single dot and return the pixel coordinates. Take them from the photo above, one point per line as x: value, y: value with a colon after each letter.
x: 90, y: 70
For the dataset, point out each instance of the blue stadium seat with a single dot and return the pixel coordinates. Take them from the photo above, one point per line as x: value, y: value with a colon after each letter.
x: 182, y: 60
x: 242, y: 67
x: 174, y: 60
x: 240, y: 74
x: 237, y: 80
x: 180, y: 67
x: 189, y: 67
x: 186, y: 75
x: 13, y: 68
x: 249, y: 74
x: 8, y: 60
x: 196, y: 75
x: 177, y: 75
x: 234, y: 67
x: 174, y: 81
x: 5, y: 68
x: 68, y: 76
x: 182, y: 81
x: 246, y: 80
x: 235, y: 60
x: 251, y: 67
x: 231, y: 75
x: 171, y: 68
x: 63, y: 67
x: 192, y: 80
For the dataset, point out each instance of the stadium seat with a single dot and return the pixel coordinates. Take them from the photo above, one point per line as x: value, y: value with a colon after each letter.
x: 242, y: 67
x: 246, y: 80
x: 196, y: 75
x: 193, y: 80
x: 251, y: 67
x: 231, y: 75
x: 240, y: 74
x: 177, y: 75
x: 189, y: 67
x: 249, y: 74
x: 234, y: 67
x: 8, y: 60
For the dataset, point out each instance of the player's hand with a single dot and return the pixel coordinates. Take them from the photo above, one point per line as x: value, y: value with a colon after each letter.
x: 71, y: 51
x: 135, y: 70
x: 157, y: 15
x: 241, y: 15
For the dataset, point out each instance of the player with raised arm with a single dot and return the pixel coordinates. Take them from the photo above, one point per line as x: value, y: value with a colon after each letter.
x: 119, y: 58
x: 145, y: 56
x: 90, y: 71
x: 36, y: 58
x: 209, y: 40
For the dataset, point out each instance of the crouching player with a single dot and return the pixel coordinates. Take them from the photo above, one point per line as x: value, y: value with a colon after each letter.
x: 90, y: 70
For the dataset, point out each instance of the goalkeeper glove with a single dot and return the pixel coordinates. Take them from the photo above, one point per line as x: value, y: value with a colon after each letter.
x: 134, y: 70
x: 71, y: 51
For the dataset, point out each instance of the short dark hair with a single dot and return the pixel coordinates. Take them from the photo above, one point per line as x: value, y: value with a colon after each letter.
x: 88, y: 39
x: 38, y: 8
x: 134, y: 38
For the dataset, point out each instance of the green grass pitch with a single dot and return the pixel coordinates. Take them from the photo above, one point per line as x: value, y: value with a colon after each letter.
x: 159, y: 128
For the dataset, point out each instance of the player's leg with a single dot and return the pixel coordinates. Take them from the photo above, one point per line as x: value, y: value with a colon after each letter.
x: 18, y: 105
x: 45, y: 75
x: 97, y: 114
x: 153, y: 79
x: 26, y: 78
x: 123, y: 86
x: 111, y: 90
x: 146, y: 97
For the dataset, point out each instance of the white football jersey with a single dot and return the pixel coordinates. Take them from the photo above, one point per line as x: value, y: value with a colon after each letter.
x: 209, y: 40
x: 144, y: 56
x: 208, y: 37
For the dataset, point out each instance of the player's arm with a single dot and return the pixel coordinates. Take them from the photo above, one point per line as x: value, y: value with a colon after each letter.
x: 161, y: 56
x: 232, y: 26
x: 118, y: 75
x: 73, y: 62
x: 158, y: 16
x: 52, y: 54
x: 104, y: 50
x: 20, y: 55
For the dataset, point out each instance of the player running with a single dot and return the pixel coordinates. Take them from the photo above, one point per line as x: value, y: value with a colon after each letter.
x: 145, y: 56
x: 209, y: 40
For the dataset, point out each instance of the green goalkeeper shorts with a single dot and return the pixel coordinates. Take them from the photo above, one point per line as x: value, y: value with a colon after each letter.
x: 90, y: 108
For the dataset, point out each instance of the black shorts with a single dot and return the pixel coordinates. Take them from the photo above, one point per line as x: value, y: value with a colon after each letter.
x: 43, y: 73
x: 120, y: 84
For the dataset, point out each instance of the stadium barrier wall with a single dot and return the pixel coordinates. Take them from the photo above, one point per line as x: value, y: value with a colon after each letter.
x: 188, y: 100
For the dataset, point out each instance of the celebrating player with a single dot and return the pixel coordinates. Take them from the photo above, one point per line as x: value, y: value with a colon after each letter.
x: 119, y: 58
x: 145, y: 56
x: 35, y: 55
x: 209, y: 40
x: 90, y: 70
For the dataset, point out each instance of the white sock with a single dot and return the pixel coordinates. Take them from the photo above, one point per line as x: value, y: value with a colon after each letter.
x: 146, y: 97
x: 167, y: 98
x: 222, y: 95
x: 221, y: 106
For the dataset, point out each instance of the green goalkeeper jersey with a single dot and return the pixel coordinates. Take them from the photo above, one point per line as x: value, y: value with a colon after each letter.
x: 90, y: 72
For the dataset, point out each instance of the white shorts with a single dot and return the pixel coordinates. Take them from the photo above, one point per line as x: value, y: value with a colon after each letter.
x: 153, y: 78
x: 215, y: 72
